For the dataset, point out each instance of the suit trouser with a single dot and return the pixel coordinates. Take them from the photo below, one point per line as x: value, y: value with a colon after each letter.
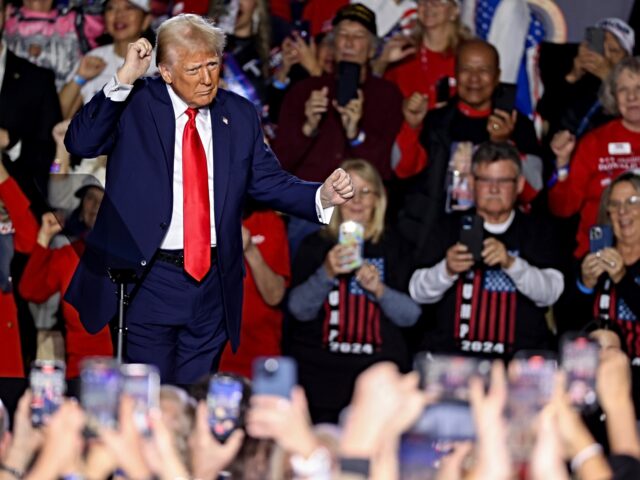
x: 177, y: 323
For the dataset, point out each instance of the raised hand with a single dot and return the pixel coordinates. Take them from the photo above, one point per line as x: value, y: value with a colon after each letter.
x: 591, y: 269
x: 415, y: 108
x: 495, y: 253
x: 337, y: 189
x: 351, y: 114
x: 90, y: 67
x: 136, y: 62
x: 368, y: 277
x: 458, y: 259
x: 562, y: 145
x: 50, y: 227
x: 501, y: 124
x: 316, y: 105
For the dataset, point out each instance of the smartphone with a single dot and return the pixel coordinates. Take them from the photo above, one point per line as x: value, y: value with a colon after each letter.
x: 225, y: 405
x: 47, y: 383
x: 446, y: 378
x: 443, y: 90
x: 600, y: 237
x: 580, y: 357
x: 142, y: 383
x: 530, y: 384
x: 348, y: 82
x: 274, y: 376
x: 303, y: 28
x: 100, y: 388
x: 594, y: 38
x: 504, y: 97
x: 420, y: 456
x: 472, y: 235
x: 351, y: 234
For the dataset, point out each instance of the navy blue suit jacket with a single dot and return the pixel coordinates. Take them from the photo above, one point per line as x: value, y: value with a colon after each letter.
x: 138, y: 136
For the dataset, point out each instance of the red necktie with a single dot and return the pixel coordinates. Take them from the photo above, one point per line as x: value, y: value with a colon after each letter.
x: 195, y: 192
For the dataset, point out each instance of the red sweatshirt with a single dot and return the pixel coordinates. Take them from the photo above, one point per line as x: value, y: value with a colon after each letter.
x: 602, y: 155
x: 26, y: 229
x: 49, y: 271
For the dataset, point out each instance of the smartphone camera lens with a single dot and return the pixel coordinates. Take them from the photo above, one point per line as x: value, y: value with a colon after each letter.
x: 271, y: 365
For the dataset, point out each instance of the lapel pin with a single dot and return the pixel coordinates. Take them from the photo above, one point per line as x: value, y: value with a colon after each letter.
x: 225, y: 120
x: 16, y: 76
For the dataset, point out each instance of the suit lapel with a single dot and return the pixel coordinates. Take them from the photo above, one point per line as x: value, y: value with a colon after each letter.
x: 10, y: 91
x: 221, y: 125
x: 164, y: 120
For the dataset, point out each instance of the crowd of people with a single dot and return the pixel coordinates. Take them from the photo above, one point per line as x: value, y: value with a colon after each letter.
x: 470, y: 229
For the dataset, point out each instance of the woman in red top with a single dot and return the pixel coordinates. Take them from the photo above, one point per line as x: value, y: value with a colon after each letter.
x: 601, y: 155
x: 24, y: 228
x: 49, y: 271
x: 419, y: 62
x: 266, y: 256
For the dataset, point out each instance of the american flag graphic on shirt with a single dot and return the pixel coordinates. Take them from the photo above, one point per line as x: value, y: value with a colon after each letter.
x: 626, y: 319
x: 352, y: 320
x: 486, y: 321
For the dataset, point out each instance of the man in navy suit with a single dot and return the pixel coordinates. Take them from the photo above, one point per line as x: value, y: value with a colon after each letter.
x: 183, y: 154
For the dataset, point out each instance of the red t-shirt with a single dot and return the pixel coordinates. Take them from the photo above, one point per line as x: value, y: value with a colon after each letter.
x: 320, y: 13
x: 49, y: 271
x: 601, y: 155
x: 421, y: 72
x: 261, y: 324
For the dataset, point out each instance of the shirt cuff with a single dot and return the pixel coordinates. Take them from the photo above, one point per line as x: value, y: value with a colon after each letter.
x: 443, y: 276
x: 15, y: 151
x: 324, y: 214
x: 116, y: 91
x: 517, y: 268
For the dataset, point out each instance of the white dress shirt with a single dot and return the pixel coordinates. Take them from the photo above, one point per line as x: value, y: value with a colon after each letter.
x: 174, y: 238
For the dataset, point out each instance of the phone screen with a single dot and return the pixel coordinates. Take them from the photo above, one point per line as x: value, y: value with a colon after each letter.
x: 100, y: 388
x: 580, y: 359
x: 531, y: 379
x: 47, y: 381
x: 420, y: 455
x: 142, y: 383
x: 224, y: 403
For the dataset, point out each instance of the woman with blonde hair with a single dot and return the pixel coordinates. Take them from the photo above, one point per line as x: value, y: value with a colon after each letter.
x: 418, y: 62
x: 348, y: 315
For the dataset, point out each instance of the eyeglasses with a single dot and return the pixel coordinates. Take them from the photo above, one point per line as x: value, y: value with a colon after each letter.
x: 500, y: 182
x: 631, y: 203
x: 364, y: 193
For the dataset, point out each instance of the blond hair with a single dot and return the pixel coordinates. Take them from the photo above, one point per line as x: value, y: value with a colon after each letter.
x: 189, y: 32
x: 369, y: 174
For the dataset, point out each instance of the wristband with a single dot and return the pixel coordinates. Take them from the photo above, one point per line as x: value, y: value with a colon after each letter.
x: 358, y: 466
x: 583, y: 288
x: 79, y: 80
x: 359, y: 140
x: 584, y: 455
x: 11, y: 471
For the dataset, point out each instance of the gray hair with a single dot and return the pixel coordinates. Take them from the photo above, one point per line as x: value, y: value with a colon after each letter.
x: 610, y: 85
x: 190, y: 32
x: 489, y: 152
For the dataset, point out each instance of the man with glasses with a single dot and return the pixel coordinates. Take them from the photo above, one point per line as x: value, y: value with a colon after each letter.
x: 445, y: 138
x: 493, y: 304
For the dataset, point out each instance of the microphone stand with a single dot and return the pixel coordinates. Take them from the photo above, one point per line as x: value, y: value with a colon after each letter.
x: 121, y: 277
